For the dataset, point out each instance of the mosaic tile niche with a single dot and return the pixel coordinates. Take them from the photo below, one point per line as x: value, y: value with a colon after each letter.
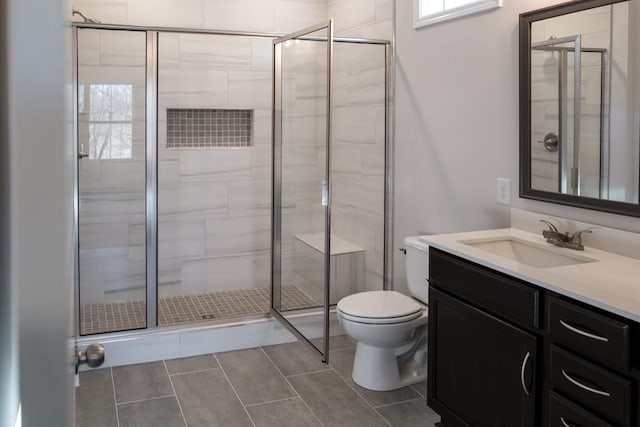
x: 207, y: 127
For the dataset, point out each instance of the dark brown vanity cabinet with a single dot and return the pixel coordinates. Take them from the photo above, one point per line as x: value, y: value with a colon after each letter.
x: 503, y: 352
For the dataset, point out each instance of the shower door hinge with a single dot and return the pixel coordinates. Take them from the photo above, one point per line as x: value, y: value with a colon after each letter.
x: 325, y: 192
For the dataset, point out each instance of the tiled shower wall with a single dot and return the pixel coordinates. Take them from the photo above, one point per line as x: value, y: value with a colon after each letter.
x: 358, y: 157
x: 359, y: 129
x: 214, y: 204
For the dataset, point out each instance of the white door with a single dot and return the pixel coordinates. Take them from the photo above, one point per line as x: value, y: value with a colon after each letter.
x: 41, y: 208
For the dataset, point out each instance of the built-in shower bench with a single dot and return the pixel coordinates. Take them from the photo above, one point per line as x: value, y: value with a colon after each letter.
x: 347, y: 265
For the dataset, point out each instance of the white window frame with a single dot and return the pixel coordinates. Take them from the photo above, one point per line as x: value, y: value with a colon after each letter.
x: 446, y: 15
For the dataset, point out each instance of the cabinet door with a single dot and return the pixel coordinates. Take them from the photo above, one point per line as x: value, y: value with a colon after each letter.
x: 481, y: 369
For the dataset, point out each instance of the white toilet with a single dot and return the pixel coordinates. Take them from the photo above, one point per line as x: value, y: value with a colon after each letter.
x: 390, y: 328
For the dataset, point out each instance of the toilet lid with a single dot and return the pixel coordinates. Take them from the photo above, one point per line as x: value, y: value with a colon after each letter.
x: 379, y: 305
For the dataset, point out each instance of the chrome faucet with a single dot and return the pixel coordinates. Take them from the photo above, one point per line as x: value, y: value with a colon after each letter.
x: 564, y: 240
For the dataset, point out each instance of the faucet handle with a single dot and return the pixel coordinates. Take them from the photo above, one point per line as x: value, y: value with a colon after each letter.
x: 577, y: 236
x: 550, y: 225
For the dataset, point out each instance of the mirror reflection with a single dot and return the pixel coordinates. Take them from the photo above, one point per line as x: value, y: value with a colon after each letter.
x: 585, y: 103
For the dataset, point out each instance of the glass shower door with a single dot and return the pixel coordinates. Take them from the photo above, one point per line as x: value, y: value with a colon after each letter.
x: 111, y: 182
x: 556, y: 114
x: 301, y: 188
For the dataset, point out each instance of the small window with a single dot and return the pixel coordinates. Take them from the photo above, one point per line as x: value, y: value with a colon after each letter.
x: 110, y: 120
x: 428, y: 12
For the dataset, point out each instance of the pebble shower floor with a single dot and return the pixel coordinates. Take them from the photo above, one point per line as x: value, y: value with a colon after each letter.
x: 122, y: 316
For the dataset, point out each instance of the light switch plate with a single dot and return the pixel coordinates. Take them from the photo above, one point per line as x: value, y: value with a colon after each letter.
x: 503, y: 191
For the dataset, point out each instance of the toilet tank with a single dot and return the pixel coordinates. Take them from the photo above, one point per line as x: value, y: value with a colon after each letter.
x: 417, y: 268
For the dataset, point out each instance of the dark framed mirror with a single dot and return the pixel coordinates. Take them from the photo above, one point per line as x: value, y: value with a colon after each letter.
x: 580, y: 105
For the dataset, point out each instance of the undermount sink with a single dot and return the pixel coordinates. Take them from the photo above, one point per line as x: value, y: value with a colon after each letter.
x: 528, y: 253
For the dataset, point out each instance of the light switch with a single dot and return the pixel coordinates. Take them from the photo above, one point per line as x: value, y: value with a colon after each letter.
x: 503, y: 193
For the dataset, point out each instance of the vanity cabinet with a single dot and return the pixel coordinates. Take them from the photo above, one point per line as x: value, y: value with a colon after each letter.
x: 484, y: 348
x: 503, y: 352
x: 590, y: 362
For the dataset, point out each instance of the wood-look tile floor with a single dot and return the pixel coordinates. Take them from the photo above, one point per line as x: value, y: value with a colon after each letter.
x: 123, y: 316
x: 281, y: 385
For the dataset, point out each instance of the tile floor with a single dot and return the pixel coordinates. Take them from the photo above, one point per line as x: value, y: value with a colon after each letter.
x: 281, y: 385
x: 100, y: 318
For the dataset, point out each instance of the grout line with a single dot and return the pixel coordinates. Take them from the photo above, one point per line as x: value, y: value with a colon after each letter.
x: 417, y: 391
x: 115, y: 402
x: 360, y: 395
x: 234, y: 390
x: 307, y: 373
x: 193, y: 372
x: 272, y: 401
x: 174, y: 393
x: 396, y: 403
x: 292, y: 387
x: 144, y: 400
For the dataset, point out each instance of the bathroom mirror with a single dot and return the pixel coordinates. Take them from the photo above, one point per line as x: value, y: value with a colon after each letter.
x: 580, y: 105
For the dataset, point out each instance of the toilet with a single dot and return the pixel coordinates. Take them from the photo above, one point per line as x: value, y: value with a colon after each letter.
x: 390, y: 328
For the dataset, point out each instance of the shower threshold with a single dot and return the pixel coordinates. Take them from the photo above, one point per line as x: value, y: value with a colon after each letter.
x: 229, y: 304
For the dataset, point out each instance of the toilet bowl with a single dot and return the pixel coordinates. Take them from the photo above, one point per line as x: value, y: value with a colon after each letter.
x: 390, y: 328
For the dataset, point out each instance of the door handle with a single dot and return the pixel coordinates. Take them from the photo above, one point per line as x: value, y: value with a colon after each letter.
x: 81, y: 153
x: 93, y: 356
x: 325, y: 192
x: 522, y: 371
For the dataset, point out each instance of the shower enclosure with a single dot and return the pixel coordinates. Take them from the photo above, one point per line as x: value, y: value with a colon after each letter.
x: 568, y: 100
x: 213, y: 170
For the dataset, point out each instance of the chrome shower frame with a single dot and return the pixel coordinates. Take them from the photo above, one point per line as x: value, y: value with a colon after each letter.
x: 151, y: 173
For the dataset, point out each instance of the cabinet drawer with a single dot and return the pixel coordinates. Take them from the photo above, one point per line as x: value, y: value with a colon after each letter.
x: 563, y: 413
x: 499, y: 294
x: 597, y: 390
x: 590, y: 334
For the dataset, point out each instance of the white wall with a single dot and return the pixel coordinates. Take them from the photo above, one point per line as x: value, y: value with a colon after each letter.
x: 457, y: 126
x: 41, y: 206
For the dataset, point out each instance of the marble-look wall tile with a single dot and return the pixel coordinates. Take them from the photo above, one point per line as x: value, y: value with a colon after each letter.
x: 221, y: 273
x: 215, y: 51
x: 215, y: 164
x: 356, y: 124
x: 352, y: 13
x: 261, y: 54
x: 109, y: 11
x: 293, y: 15
x: 240, y: 15
x: 362, y: 18
x: 250, y: 88
x: 196, y: 200
x: 238, y: 235
x: 166, y: 13
x: 192, y: 80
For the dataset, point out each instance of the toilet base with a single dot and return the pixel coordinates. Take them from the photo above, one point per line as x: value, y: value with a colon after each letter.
x: 383, y: 369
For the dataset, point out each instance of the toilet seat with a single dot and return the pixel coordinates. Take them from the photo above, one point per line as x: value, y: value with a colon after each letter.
x: 379, y: 307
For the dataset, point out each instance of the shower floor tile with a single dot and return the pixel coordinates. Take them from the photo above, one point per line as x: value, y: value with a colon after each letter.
x: 101, y: 318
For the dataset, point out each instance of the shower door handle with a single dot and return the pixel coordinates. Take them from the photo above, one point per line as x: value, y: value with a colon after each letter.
x: 81, y: 153
x: 325, y: 192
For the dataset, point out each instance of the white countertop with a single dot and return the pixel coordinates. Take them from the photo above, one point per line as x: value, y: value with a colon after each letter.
x: 612, y: 282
